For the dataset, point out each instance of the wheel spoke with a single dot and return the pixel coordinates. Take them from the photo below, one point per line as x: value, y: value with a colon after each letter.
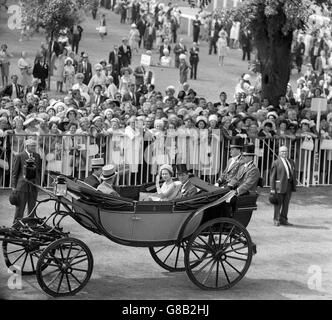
x: 60, y: 282
x: 49, y: 273
x: 32, y: 263
x: 177, y: 257
x: 25, y: 259
x: 76, y: 279
x: 77, y: 269
x: 209, y: 272
x: 68, y: 282
x: 223, y: 267
x: 86, y: 258
x: 234, y: 250
x: 8, y: 253
x: 161, y: 249
x: 217, y: 274
x: 205, y: 243
x: 236, y: 258
x: 169, y: 253
x: 228, y: 235
x: 200, y: 270
x: 75, y: 256
x: 18, y: 258
x: 71, y: 245
x: 201, y: 259
x: 53, y: 280
x: 240, y: 273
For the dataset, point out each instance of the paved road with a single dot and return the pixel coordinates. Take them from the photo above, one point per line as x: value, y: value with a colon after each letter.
x: 280, y: 270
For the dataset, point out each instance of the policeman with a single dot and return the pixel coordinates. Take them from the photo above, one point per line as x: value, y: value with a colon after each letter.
x: 27, y: 167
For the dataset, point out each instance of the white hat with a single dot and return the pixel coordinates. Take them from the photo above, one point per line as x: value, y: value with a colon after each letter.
x: 69, y: 59
x: 213, y: 117
x: 246, y: 77
x: 201, y: 118
x: 133, y: 25
x: 272, y: 113
x: 31, y: 119
x: 30, y: 142
x: 108, y: 172
x: 305, y: 121
x: 182, y: 56
x: 166, y: 167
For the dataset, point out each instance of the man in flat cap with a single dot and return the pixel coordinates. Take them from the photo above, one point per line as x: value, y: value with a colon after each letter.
x: 27, y: 167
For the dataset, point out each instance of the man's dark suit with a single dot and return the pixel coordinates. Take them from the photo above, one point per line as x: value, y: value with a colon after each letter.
x: 283, y: 187
x: 124, y: 57
x: 92, y: 181
x: 94, y: 100
x: 87, y: 73
x: 26, y: 192
x: 187, y: 190
x: 114, y: 60
x: 38, y: 91
x: 8, y: 91
x: 231, y: 170
x: 246, y: 179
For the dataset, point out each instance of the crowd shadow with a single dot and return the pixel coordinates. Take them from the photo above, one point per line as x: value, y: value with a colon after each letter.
x: 310, y: 227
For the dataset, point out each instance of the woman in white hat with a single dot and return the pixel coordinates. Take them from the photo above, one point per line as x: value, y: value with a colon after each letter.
x: 68, y: 74
x: 167, y: 191
x: 134, y: 38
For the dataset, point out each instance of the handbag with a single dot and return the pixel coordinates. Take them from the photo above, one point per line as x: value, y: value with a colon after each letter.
x: 326, y: 144
x: 307, y: 144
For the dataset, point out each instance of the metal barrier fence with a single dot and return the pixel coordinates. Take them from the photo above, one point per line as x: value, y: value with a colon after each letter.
x: 138, y: 156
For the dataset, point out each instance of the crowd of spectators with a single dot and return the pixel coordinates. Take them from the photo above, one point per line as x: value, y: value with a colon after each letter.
x: 115, y: 99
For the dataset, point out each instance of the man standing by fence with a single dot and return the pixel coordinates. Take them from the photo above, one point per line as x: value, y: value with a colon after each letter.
x: 283, y: 182
x: 27, y: 167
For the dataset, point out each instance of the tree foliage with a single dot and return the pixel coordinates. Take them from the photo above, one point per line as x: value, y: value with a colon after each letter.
x: 54, y: 15
x: 272, y: 24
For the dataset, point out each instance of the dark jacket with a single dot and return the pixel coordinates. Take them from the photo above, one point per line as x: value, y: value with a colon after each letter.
x: 187, y: 190
x: 87, y: 74
x: 18, y: 180
x: 279, y: 173
x: 8, y: 91
x: 92, y: 181
x: 124, y: 57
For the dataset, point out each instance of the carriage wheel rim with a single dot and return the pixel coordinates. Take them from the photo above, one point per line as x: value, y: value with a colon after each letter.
x: 227, y: 260
x: 69, y: 265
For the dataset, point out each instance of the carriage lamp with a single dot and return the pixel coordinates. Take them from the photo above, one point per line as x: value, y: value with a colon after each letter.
x: 60, y: 187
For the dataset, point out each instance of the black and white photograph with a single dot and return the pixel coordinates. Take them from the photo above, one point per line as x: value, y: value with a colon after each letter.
x: 166, y: 154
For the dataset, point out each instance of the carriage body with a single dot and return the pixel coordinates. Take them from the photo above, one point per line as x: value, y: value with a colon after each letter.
x: 203, y: 235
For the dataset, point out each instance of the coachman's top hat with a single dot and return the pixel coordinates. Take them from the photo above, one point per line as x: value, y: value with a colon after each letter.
x: 248, y: 150
x: 237, y: 142
x: 182, y: 168
x: 97, y: 163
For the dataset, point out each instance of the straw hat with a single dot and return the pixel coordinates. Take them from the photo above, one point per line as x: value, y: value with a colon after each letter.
x: 31, y: 119
x: 108, y: 172
x: 97, y: 163
x: 213, y: 117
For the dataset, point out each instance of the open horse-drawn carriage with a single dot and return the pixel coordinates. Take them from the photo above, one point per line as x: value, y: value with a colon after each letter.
x: 204, y: 235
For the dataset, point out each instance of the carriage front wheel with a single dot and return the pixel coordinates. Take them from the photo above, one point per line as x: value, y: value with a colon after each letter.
x: 218, y: 254
x: 64, y: 267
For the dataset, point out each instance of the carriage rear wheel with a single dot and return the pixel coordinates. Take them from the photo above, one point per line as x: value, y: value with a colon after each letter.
x: 21, y: 257
x: 64, y: 267
x: 218, y: 254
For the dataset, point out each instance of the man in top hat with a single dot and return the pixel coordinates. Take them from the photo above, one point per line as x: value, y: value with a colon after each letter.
x: 94, y: 179
x: 283, y: 182
x: 234, y: 162
x: 248, y: 175
x: 108, y: 177
x: 187, y: 189
x: 124, y: 54
x: 21, y: 174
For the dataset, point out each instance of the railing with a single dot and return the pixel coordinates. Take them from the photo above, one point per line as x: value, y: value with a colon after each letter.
x: 138, y: 157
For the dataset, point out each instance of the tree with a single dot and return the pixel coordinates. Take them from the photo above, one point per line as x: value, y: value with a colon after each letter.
x: 53, y: 16
x: 272, y: 24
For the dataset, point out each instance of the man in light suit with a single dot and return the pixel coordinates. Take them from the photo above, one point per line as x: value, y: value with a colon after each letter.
x: 247, y: 177
x: 234, y: 162
x: 283, y: 182
x: 27, y: 193
x: 187, y: 189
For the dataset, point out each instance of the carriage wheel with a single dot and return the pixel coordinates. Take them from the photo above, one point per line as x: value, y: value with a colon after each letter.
x: 222, y: 262
x: 64, y: 267
x: 170, y: 257
x: 21, y: 257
